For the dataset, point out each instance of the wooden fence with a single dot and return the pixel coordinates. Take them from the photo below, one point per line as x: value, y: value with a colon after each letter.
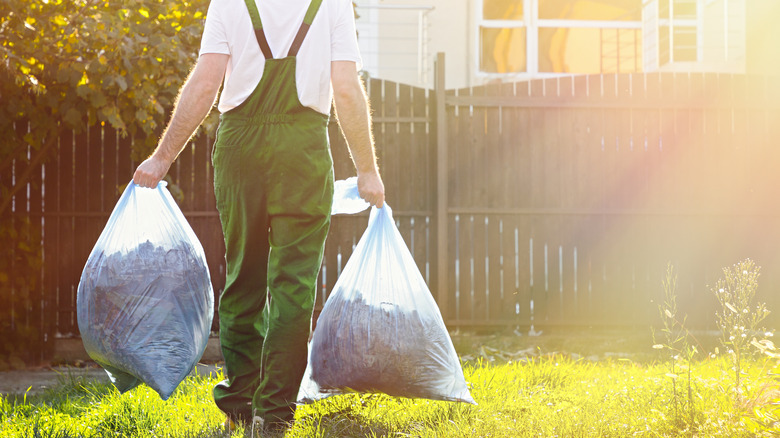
x: 546, y: 203
x: 567, y: 197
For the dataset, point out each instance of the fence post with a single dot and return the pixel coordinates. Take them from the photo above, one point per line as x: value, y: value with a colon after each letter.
x: 442, y: 234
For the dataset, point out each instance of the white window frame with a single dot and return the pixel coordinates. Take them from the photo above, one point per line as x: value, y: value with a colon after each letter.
x: 673, y: 23
x: 532, y: 23
x: 530, y: 49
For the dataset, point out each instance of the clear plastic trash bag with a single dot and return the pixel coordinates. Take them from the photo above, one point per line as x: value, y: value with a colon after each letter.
x: 346, y: 198
x: 145, y: 301
x: 381, y: 330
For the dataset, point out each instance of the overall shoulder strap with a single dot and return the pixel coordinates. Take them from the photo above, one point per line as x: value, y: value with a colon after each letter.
x: 258, y: 26
x: 307, y: 20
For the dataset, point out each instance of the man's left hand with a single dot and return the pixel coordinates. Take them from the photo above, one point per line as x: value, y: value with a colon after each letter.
x: 371, y: 188
x: 150, y: 172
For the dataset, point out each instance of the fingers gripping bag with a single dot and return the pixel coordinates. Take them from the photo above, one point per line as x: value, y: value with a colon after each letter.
x: 145, y: 301
x: 381, y: 330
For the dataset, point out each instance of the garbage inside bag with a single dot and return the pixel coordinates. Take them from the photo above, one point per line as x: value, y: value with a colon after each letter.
x: 145, y: 303
x: 380, y: 330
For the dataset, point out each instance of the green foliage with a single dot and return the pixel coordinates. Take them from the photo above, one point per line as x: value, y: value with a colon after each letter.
x: 73, y: 64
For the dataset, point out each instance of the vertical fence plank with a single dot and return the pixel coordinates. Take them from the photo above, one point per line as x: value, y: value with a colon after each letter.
x: 84, y: 151
x: 451, y: 309
x: 551, y: 223
x: 460, y: 168
x: 467, y: 261
x: 422, y: 149
x: 448, y: 123
x: 537, y: 236
x: 51, y: 224
x: 568, y: 155
x: 458, y: 119
x: 35, y: 307
x: 422, y: 189
x: 494, y: 170
x: 375, y: 95
x: 405, y: 146
x: 7, y: 178
x: 392, y: 143
x: 479, y: 256
x: 66, y: 296
x: 23, y: 281
x: 493, y: 167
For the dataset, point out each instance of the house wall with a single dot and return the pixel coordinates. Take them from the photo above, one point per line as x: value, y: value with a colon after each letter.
x: 391, y: 52
x: 723, y: 32
x: 763, y: 37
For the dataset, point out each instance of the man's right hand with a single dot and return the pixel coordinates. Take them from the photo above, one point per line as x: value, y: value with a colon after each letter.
x: 371, y: 188
x: 150, y: 172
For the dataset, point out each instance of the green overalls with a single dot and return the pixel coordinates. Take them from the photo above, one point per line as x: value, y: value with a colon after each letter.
x: 273, y: 180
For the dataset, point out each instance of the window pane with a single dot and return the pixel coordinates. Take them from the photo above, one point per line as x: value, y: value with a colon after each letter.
x: 663, y: 8
x: 629, y: 10
x: 589, y: 50
x: 685, y: 9
x: 502, y: 9
x: 502, y: 50
x: 684, y: 43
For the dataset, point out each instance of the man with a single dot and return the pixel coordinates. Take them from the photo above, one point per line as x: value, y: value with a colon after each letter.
x: 273, y: 179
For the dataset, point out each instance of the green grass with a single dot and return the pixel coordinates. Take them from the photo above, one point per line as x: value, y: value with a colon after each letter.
x: 543, y: 397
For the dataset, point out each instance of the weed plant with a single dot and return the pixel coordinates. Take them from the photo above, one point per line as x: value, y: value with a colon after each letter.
x: 753, y: 396
x: 738, y: 318
x: 679, y: 353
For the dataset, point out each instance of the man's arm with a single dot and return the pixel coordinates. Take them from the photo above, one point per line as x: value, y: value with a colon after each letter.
x: 355, y: 121
x: 195, y: 100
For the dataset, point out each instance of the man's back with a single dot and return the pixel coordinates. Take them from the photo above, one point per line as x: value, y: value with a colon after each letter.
x: 332, y: 37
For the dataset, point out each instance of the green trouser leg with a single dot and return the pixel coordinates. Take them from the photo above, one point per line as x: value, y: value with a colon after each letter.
x: 274, y: 188
x: 273, y: 180
x: 273, y: 252
x: 290, y: 305
x: 242, y: 301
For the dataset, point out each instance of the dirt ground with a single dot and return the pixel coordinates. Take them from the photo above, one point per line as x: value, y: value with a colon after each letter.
x: 36, y: 380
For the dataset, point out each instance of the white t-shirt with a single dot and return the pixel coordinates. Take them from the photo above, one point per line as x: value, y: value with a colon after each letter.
x: 331, y: 37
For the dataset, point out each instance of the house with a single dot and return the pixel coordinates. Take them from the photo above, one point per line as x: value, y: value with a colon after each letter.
x: 510, y: 40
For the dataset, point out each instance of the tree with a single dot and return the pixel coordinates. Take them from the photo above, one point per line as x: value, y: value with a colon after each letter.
x: 68, y: 65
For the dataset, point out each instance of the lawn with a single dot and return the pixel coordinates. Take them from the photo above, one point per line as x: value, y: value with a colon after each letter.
x: 579, y: 384
x: 538, y: 395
